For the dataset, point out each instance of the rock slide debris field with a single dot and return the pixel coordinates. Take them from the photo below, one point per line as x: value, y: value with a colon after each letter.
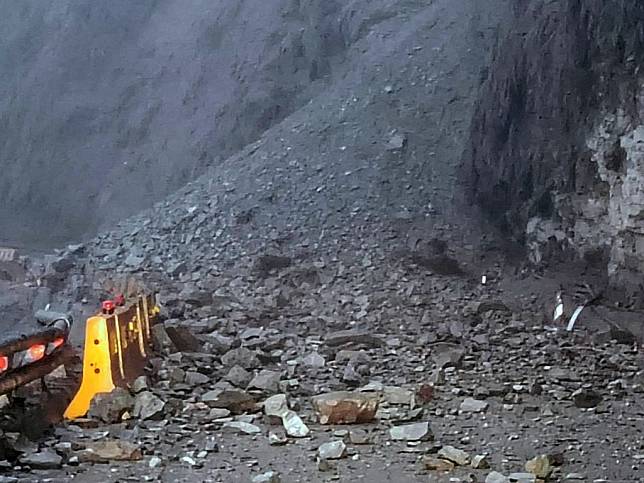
x: 323, y: 312
x: 303, y: 370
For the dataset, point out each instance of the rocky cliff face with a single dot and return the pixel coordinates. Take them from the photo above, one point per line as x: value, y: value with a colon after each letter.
x: 557, y: 142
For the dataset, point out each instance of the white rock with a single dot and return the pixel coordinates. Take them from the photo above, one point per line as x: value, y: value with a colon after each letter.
x: 470, y: 405
x: 398, y: 395
x: 314, y: 360
x: 294, y: 425
x: 268, y: 477
x: 277, y: 438
x: 480, y: 462
x: 411, y: 432
x: 276, y: 405
x: 574, y: 477
x: 455, y: 455
x: 522, y: 478
x: 496, y: 477
x: 332, y: 451
x: 241, y: 427
x: 218, y: 413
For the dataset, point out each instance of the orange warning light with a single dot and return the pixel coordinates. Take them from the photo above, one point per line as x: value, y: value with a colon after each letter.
x: 36, y: 352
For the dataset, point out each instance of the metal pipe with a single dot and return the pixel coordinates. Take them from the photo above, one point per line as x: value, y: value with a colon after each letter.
x: 36, y: 370
x: 25, y: 341
x: 51, y: 318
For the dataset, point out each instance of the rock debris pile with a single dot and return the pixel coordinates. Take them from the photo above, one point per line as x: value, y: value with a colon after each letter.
x: 316, y: 370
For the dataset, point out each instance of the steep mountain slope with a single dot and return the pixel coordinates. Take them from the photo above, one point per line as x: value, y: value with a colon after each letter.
x: 106, y: 107
x: 376, y: 151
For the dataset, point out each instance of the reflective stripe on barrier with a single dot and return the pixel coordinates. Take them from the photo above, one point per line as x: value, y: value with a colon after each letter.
x: 116, y: 352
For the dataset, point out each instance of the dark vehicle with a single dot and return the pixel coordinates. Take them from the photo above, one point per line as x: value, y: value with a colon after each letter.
x: 30, y: 352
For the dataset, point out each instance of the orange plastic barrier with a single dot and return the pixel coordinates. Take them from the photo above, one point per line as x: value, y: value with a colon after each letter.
x: 117, y: 345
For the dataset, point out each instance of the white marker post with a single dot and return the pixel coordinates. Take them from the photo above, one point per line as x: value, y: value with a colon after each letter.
x: 573, y: 319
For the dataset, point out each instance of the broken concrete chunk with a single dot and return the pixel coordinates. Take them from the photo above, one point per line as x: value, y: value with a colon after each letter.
x: 470, y: 405
x: 333, y: 450
x: 64, y: 448
x: 19, y: 443
x: 411, y: 432
x: 110, y: 407
x: 148, y: 406
x: 455, y: 455
x: 345, y: 407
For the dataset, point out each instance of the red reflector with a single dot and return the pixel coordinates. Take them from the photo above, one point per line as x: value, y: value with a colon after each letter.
x: 107, y: 306
x: 4, y: 363
x: 58, y: 342
x: 36, y: 352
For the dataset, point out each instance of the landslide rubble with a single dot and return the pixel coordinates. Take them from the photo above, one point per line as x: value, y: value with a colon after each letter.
x: 439, y: 390
x: 324, y: 316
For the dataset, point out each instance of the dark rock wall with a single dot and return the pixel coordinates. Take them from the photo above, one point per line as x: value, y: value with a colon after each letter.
x: 553, y: 158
